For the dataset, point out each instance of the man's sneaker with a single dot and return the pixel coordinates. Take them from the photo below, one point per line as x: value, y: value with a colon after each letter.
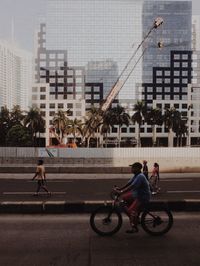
x: 154, y: 193
x: 133, y: 230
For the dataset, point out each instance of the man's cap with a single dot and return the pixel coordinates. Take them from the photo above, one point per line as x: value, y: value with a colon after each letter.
x: 136, y: 164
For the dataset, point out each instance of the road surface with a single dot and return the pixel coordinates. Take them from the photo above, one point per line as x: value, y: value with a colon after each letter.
x: 67, y: 240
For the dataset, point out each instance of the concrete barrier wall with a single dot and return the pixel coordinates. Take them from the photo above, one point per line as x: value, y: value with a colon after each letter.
x: 170, y: 159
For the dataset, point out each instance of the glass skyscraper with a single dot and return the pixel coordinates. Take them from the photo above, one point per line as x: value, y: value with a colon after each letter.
x: 96, y: 31
x: 174, y: 34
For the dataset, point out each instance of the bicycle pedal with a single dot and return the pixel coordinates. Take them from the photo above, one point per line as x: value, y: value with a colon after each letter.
x: 106, y: 221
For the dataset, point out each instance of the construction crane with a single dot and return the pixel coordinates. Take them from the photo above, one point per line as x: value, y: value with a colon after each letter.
x: 52, y: 131
x: 129, y: 67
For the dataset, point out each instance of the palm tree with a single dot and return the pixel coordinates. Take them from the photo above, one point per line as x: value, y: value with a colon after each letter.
x: 107, y: 124
x: 180, y: 128
x: 92, y: 124
x: 41, y: 126
x: 119, y: 117
x: 60, y: 121
x: 170, y: 119
x: 154, y: 117
x: 74, y: 127
x: 4, y: 124
x: 35, y: 122
x: 183, y: 130
x: 16, y: 116
x: 139, y: 117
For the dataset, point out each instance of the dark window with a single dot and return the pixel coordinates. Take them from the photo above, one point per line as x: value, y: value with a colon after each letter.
x: 52, y: 113
x: 42, y: 89
x: 69, y: 112
x: 159, y: 129
x: 158, y: 105
x: 60, y: 105
x: 123, y: 129
x: 184, y: 106
x: 114, y: 130
x: 167, y: 105
x: 70, y: 105
x: 52, y: 105
x: 132, y: 130
x: 42, y: 97
x: 184, y: 113
x: 149, y: 129
x: 42, y: 105
x: 176, y: 105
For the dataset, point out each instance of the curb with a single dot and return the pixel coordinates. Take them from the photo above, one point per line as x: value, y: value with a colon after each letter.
x: 67, y: 169
x: 61, y: 207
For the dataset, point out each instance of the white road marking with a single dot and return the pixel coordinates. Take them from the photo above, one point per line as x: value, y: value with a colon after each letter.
x: 175, y: 180
x: 183, y: 191
x: 31, y: 193
x: 54, y: 181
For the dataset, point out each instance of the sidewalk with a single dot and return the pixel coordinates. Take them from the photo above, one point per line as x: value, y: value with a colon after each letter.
x: 60, y: 168
x: 76, y: 169
x: 82, y: 176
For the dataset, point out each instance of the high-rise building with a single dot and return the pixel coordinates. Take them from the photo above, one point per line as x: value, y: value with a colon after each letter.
x: 52, y: 67
x: 105, y: 72
x: 15, y: 76
x: 96, y: 30
x: 174, y: 34
x: 196, y: 33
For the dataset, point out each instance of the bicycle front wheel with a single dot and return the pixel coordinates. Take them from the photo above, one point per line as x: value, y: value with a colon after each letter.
x: 106, y: 221
x: 157, y: 223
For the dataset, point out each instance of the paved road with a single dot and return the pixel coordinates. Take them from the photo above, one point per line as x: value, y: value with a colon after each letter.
x: 60, y: 240
x: 92, y: 187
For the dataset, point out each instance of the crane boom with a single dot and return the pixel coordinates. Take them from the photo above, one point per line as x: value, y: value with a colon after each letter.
x: 128, y: 69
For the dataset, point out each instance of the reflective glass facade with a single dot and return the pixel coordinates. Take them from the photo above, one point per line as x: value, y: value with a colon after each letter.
x: 174, y: 34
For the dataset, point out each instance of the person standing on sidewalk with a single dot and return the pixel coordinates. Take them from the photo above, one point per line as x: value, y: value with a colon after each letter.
x: 145, y: 169
x: 41, y: 178
x: 154, y: 179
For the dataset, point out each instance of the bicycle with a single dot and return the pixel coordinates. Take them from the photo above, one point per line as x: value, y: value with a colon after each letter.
x: 107, y: 220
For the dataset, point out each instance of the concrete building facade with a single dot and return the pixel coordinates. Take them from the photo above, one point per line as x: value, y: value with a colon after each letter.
x: 49, y: 105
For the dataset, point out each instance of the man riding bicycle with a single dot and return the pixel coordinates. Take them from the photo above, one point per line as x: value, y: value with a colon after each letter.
x: 136, y: 193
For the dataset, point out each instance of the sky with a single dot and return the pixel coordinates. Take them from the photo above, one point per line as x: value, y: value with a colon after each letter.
x: 24, y: 14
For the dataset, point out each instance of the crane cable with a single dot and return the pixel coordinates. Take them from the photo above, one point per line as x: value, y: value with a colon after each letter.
x: 112, y: 94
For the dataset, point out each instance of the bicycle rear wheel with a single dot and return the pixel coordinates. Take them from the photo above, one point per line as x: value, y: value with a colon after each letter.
x: 157, y: 222
x: 106, y: 221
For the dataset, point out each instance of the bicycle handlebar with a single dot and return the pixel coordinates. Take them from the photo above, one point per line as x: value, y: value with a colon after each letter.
x: 113, y: 194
